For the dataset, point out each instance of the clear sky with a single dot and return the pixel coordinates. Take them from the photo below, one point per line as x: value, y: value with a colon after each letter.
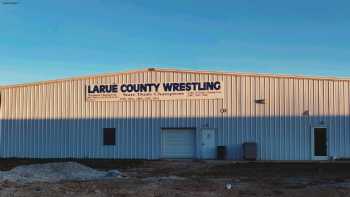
x: 49, y: 39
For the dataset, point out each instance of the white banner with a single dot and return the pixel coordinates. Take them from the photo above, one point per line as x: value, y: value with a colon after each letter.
x: 155, y: 91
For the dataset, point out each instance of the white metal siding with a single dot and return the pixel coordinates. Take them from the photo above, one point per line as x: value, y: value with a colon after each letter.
x: 54, y: 120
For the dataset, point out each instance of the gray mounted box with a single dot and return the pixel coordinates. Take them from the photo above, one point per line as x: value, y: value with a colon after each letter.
x: 249, y: 151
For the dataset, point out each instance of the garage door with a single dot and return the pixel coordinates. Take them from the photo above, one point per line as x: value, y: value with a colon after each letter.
x: 177, y: 143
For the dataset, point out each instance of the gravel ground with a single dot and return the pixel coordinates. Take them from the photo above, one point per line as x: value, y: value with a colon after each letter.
x: 191, y: 178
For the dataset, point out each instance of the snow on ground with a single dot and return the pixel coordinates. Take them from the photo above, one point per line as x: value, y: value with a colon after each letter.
x: 55, y: 172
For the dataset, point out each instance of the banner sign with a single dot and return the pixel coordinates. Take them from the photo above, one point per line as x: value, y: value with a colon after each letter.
x: 155, y: 91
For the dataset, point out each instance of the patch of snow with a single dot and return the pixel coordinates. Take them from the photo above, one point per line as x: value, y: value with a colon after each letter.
x: 164, y: 178
x: 235, y: 183
x: 55, y: 172
x: 344, y: 185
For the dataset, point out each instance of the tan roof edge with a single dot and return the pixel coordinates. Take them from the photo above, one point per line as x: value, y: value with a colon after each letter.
x: 74, y: 78
x: 179, y: 71
x: 254, y: 74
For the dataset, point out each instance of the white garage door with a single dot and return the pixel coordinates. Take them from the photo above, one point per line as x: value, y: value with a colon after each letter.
x: 177, y: 143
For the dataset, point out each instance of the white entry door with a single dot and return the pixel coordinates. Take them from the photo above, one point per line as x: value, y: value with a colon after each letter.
x: 208, y: 150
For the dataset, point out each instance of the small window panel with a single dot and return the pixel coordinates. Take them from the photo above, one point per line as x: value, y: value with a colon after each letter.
x: 109, y: 136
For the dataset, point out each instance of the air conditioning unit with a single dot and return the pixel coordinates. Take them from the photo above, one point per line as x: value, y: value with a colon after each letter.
x: 249, y: 151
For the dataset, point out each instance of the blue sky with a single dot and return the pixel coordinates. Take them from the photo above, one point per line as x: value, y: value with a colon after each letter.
x: 46, y: 39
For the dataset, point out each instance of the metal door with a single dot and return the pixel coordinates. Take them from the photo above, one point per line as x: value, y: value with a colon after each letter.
x: 208, y: 144
x: 319, y: 143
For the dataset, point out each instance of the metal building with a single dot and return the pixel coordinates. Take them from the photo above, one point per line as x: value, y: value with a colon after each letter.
x: 162, y: 113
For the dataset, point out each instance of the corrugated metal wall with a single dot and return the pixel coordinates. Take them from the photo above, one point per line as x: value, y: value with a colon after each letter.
x: 54, y: 120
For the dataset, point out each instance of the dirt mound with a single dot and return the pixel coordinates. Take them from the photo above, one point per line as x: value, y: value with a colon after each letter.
x: 55, y: 172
